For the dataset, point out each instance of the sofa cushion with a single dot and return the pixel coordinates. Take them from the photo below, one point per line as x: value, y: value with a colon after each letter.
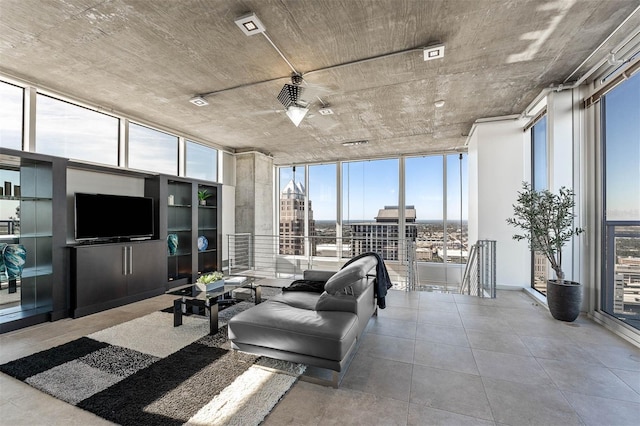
x: 274, y: 324
x: 349, y: 280
x: 297, y: 299
x: 337, y: 302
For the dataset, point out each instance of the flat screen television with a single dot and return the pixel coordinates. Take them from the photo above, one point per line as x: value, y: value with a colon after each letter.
x: 112, y: 217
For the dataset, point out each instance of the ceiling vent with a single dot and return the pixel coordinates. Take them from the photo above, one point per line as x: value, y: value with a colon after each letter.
x: 435, y: 51
x: 199, y: 101
x: 355, y: 143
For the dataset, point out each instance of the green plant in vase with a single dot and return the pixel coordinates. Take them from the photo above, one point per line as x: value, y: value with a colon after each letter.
x: 210, y: 277
x: 203, y: 195
x: 212, y: 280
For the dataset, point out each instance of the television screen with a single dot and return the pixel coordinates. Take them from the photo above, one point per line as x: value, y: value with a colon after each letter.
x: 101, y: 216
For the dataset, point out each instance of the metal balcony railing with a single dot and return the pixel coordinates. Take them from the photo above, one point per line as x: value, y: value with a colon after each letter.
x: 479, y: 277
x: 289, y: 256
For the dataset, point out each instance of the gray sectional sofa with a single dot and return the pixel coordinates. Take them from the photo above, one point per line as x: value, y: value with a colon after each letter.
x: 320, y: 330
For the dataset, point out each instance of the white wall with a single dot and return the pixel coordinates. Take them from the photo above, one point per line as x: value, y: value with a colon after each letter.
x: 496, y: 171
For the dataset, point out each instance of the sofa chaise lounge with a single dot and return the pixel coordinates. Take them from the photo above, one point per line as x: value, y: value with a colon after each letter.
x: 320, y: 330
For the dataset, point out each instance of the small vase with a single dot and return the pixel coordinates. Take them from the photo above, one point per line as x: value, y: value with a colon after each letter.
x: 203, y: 202
x: 14, y: 256
x: 172, y: 243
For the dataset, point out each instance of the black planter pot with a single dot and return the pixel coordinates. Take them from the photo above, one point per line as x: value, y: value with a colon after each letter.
x: 564, y: 299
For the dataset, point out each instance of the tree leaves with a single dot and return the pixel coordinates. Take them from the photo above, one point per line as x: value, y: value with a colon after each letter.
x: 547, y: 222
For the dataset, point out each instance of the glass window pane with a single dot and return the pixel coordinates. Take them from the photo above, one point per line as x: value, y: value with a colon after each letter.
x: 11, y: 101
x: 71, y: 131
x: 539, y: 171
x: 292, y: 211
x: 621, y: 248
x: 202, y: 162
x: 369, y: 197
x: 152, y: 150
x: 424, y: 190
x: 457, y: 213
x: 322, y: 206
x: 539, y: 154
x: 622, y: 151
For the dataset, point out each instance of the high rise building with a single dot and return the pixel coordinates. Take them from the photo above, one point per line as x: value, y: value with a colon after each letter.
x: 292, y: 217
x: 382, y: 237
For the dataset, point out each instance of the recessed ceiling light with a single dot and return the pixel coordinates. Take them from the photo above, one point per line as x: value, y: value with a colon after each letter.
x: 354, y: 143
x: 250, y: 24
x: 199, y: 101
x: 325, y: 111
x: 439, y: 103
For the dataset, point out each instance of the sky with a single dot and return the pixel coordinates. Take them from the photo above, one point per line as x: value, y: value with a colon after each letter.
x: 622, y: 132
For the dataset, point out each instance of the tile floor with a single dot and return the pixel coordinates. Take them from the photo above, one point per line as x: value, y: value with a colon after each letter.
x: 427, y: 359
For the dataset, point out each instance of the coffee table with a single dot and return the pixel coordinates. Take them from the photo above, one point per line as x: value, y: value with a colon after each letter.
x: 191, y: 296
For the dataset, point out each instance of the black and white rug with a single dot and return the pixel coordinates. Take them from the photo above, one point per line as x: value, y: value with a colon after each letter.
x: 146, y: 371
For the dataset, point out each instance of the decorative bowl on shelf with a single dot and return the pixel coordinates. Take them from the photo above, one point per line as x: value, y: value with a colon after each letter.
x: 203, y: 243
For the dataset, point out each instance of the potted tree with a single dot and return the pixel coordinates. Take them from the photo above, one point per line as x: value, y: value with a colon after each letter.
x: 547, y: 222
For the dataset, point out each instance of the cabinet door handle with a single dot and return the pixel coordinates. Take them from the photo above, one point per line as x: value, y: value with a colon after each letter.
x: 124, y: 260
x: 130, y: 260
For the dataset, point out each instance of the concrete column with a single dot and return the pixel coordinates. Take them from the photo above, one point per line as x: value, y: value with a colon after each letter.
x: 254, y: 194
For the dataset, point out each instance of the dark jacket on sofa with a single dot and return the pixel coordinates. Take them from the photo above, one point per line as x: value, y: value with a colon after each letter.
x: 383, y: 282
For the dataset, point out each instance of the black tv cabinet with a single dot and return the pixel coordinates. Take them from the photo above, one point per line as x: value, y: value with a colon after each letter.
x: 108, y: 275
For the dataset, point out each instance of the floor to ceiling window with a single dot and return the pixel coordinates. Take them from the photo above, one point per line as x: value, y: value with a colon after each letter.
x: 457, y: 213
x: 539, y: 179
x: 620, y: 109
x: 11, y: 100
x: 323, y: 208
x: 292, y: 211
x: 424, y: 189
x: 370, y: 212
x: 435, y: 215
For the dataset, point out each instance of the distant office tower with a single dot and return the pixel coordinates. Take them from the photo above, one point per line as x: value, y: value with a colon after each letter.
x: 292, y: 212
x: 382, y: 237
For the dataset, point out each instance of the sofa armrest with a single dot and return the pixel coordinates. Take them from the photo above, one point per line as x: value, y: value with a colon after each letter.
x: 317, y: 275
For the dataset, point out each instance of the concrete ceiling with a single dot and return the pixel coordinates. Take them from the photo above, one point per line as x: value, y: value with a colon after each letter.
x: 146, y: 58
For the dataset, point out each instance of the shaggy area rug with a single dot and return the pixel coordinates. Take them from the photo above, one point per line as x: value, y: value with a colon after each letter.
x: 146, y: 371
